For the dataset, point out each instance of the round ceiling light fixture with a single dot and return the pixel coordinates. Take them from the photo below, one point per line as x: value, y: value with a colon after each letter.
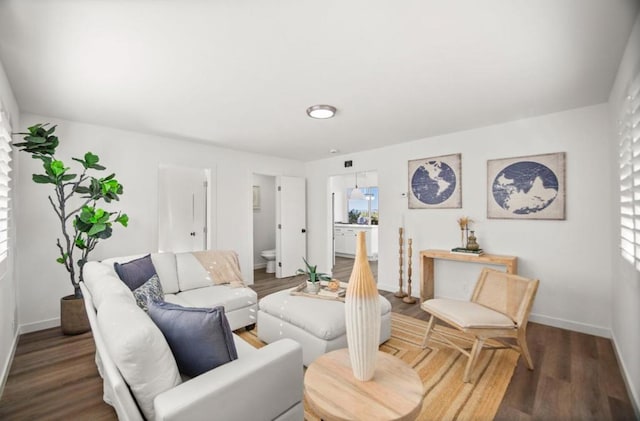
x: 321, y: 111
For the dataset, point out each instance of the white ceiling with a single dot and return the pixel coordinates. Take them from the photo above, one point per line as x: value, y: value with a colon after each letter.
x: 241, y: 73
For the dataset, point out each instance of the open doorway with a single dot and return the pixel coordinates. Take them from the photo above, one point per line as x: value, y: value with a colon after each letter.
x: 264, y: 226
x: 355, y: 208
x: 279, y: 228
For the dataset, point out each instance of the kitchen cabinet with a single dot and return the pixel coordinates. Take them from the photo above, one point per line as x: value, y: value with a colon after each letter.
x: 345, y: 236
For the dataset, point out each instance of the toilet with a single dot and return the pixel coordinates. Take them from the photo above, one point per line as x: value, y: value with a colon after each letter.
x: 270, y: 257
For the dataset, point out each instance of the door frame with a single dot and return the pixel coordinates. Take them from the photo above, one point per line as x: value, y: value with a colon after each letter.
x: 210, y: 212
x: 331, y: 216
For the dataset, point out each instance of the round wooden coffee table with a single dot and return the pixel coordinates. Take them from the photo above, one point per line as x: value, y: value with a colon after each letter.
x: 394, y: 393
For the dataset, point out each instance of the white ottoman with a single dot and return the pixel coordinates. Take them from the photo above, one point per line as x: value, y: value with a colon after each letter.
x: 317, y: 324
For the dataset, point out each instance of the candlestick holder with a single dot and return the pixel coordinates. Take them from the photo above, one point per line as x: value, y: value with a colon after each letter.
x: 400, y: 293
x: 409, y: 299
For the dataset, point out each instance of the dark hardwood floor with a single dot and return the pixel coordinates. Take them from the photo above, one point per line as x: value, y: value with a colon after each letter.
x: 576, y: 376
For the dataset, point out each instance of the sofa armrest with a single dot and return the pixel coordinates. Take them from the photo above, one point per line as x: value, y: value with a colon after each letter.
x: 259, y: 386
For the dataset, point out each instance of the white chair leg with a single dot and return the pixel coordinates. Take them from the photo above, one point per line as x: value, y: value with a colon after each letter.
x: 428, y: 332
x: 473, y: 356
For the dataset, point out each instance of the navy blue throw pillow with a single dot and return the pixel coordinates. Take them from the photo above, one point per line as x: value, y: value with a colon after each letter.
x: 136, y: 272
x: 200, y: 338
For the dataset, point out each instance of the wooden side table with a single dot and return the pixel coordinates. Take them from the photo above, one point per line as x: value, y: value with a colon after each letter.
x: 394, y: 393
x: 427, y: 258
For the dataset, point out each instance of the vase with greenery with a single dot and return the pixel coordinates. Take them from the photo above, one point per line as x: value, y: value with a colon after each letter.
x: 75, y: 200
x: 313, y: 276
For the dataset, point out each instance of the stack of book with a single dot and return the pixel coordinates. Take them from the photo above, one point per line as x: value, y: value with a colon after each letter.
x: 462, y: 250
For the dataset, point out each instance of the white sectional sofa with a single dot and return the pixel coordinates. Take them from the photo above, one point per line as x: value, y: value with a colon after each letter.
x: 140, y: 376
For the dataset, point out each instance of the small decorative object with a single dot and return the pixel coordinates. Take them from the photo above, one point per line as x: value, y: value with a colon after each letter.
x: 472, y: 243
x: 333, y: 285
x: 435, y: 182
x: 409, y: 299
x: 468, y: 252
x: 527, y: 187
x: 323, y: 292
x: 75, y: 201
x: 362, y: 315
x: 313, y: 284
x: 464, y: 222
x: 400, y: 293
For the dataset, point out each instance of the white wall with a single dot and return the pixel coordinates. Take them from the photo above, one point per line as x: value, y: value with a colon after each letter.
x: 264, y: 219
x: 337, y: 188
x: 8, y: 288
x: 134, y: 158
x: 570, y: 257
x: 626, y: 280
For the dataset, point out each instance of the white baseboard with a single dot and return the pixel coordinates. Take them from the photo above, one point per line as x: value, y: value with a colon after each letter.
x: 545, y: 320
x: 6, y: 367
x: 394, y: 288
x: 35, y: 326
x: 259, y: 265
x: 571, y: 325
x: 635, y: 397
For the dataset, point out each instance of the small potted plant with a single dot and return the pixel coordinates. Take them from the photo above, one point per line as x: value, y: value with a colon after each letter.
x: 313, y: 284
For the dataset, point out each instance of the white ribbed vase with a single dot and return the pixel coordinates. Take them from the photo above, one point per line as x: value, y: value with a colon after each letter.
x: 362, y: 315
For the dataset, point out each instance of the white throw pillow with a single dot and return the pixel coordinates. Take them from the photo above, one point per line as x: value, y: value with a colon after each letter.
x: 191, y: 273
x: 165, y: 264
x: 139, y: 350
x: 102, y: 283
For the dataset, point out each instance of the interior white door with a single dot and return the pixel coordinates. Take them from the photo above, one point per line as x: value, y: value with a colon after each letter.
x: 182, y: 213
x: 291, y: 235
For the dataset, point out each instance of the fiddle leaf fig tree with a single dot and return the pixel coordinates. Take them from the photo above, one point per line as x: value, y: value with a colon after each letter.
x: 75, y: 200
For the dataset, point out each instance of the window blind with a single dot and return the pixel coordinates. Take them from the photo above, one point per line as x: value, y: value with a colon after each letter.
x: 5, y: 185
x: 629, y: 154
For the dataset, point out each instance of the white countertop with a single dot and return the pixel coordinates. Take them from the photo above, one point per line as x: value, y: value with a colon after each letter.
x: 354, y: 226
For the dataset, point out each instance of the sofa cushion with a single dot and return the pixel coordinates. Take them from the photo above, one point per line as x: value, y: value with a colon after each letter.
x: 165, y: 264
x: 175, y: 299
x: 101, y: 282
x: 200, y: 338
x: 220, y: 295
x: 139, y: 350
x: 136, y: 272
x: 191, y: 274
x: 243, y: 348
x: 149, y: 291
x: 223, y: 266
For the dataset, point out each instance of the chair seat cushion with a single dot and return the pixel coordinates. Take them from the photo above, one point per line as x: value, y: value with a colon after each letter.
x: 467, y: 314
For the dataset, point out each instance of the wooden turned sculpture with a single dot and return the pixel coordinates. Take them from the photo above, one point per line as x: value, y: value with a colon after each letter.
x: 409, y: 299
x: 400, y: 292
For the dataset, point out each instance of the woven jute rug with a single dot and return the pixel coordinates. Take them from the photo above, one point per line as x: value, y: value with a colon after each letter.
x: 447, y: 397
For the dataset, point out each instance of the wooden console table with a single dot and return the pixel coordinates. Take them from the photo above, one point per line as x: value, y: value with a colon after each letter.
x: 428, y: 257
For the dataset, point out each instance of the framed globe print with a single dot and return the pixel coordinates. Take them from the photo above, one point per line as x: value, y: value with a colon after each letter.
x: 434, y: 183
x: 526, y: 187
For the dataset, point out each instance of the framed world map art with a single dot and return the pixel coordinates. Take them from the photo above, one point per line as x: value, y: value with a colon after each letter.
x: 435, y: 183
x: 527, y: 187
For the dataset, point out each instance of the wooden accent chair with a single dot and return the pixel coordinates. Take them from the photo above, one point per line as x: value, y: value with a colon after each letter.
x: 499, y: 308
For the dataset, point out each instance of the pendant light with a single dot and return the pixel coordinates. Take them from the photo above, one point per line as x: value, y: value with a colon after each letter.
x: 356, y: 194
